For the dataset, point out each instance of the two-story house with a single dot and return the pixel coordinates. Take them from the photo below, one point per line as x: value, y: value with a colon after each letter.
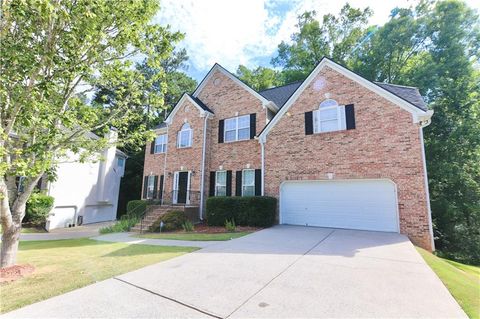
x: 336, y: 149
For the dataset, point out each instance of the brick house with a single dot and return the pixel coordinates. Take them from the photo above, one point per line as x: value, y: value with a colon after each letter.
x: 336, y: 149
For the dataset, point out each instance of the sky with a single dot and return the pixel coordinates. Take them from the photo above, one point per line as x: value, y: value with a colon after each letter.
x: 233, y: 32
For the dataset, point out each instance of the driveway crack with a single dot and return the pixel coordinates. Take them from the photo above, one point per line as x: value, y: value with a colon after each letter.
x: 280, y: 273
x: 169, y: 298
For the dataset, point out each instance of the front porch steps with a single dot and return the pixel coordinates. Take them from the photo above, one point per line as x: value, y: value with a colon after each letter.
x: 154, y: 212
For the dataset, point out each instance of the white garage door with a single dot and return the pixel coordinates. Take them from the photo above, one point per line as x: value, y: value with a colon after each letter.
x: 361, y: 204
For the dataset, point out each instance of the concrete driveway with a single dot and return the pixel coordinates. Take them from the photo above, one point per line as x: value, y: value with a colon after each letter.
x: 281, y: 272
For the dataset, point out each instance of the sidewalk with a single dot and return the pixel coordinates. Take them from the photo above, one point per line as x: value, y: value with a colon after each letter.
x: 128, y: 239
x: 88, y: 230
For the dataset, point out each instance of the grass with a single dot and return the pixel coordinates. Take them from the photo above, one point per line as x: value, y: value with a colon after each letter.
x: 29, y: 230
x: 195, y: 236
x: 463, y: 281
x: 65, y: 265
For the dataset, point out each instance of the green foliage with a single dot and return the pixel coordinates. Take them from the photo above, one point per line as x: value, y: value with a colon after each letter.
x: 230, y: 226
x: 38, y: 207
x: 188, y: 226
x: 125, y: 223
x: 260, y: 78
x: 173, y: 220
x: 137, y: 207
x: 244, y: 211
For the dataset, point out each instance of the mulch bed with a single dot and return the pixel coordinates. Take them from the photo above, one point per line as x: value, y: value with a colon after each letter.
x: 202, y: 228
x: 15, y: 272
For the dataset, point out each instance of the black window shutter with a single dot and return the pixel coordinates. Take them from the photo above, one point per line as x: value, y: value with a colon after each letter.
x: 160, y: 188
x: 308, y: 123
x: 238, y: 183
x: 229, y: 183
x: 212, y: 184
x: 253, y: 125
x: 145, y: 186
x: 350, y: 116
x: 258, y: 182
x: 155, y: 182
x: 152, y: 147
x: 221, y: 124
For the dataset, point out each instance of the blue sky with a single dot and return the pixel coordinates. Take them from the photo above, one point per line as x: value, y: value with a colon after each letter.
x: 248, y: 31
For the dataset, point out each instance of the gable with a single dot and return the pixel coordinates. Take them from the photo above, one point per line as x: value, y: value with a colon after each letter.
x: 418, y: 114
x: 202, y: 108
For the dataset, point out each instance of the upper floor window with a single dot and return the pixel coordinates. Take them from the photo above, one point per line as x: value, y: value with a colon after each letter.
x: 120, y: 162
x: 184, y: 138
x: 221, y: 183
x: 161, y: 143
x: 237, y: 128
x: 248, y: 182
x: 329, y: 117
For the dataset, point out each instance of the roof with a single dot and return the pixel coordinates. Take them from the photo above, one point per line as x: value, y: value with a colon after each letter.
x: 280, y: 94
x: 201, y: 104
x: 408, y: 93
x: 159, y: 126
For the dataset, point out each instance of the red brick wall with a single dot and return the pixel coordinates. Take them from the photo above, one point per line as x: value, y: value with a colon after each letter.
x: 385, y: 144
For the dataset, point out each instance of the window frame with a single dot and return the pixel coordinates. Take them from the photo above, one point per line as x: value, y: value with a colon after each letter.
x: 150, y: 188
x: 217, y: 185
x: 340, y: 120
x: 188, y: 130
x: 163, y: 145
x: 250, y: 185
x: 236, y: 129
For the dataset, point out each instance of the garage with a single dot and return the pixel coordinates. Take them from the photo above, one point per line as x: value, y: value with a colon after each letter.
x: 350, y: 204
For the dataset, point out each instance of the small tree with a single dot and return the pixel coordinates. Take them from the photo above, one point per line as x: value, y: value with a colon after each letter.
x: 52, y: 54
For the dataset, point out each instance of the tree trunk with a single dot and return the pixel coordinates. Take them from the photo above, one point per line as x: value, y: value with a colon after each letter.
x: 10, y: 239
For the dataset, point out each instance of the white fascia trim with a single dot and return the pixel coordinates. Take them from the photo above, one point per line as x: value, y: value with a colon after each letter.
x: 185, y: 96
x: 416, y: 112
x: 218, y: 67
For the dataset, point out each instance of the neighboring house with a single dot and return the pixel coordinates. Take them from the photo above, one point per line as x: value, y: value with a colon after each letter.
x: 336, y: 149
x: 89, y: 190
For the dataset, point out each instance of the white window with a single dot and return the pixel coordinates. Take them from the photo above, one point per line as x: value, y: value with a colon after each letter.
x: 329, y: 117
x: 120, y: 162
x: 150, y: 186
x: 161, y: 143
x: 221, y: 183
x: 237, y: 128
x: 248, y: 182
x: 184, y: 138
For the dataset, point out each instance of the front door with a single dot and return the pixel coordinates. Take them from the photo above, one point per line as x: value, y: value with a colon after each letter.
x: 182, y: 187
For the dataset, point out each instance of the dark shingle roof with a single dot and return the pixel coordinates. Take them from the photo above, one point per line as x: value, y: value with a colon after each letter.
x: 200, y: 103
x: 279, y: 95
x: 161, y: 125
x: 408, y: 93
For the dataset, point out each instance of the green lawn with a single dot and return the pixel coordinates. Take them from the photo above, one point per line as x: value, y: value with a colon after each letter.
x: 195, y: 236
x: 64, y: 265
x: 463, y: 281
x: 29, y: 230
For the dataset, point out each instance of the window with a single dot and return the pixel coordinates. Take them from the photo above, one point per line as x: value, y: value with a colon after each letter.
x: 329, y: 117
x: 184, y: 138
x: 248, y: 182
x: 120, y: 162
x: 237, y: 128
x: 221, y: 183
x: 161, y: 143
x: 150, y: 186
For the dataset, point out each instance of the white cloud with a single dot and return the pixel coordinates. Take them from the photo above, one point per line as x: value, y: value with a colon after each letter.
x: 245, y: 32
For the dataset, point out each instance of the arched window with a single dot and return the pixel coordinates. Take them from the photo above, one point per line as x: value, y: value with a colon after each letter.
x: 184, y: 138
x: 329, y: 117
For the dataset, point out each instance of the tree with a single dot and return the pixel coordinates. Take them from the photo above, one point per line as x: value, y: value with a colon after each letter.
x: 335, y: 37
x: 260, y: 78
x: 68, y: 49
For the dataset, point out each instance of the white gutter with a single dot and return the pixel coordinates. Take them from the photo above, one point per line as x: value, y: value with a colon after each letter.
x: 262, y: 145
x: 427, y: 192
x: 164, y: 170
x: 202, y: 177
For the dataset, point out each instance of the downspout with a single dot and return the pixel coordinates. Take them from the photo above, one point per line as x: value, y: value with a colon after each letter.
x: 262, y: 146
x: 164, y: 170
x: 202, y: 175
x: 427, y: 192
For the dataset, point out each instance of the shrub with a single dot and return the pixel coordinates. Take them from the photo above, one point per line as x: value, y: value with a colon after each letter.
x: 123, y: 225
x: 136, y: 207
x: 38, y: 207
x: 257, y: 211
x: 188, y: 226
x: 171, y: 221
x: 230, y: 226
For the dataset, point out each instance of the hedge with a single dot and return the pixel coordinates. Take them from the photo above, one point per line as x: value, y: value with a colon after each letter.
x: 257, y: 211
x: 172, y: 220
x: 38, y: 208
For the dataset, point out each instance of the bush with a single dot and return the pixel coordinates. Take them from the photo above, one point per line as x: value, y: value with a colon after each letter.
x: 230, y: 226
x: 188, y: 226
x: 38, y: 207
x: 171, y: 221
x: 136, y: 207
x: 257, y: 211
x: 123, y: 225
